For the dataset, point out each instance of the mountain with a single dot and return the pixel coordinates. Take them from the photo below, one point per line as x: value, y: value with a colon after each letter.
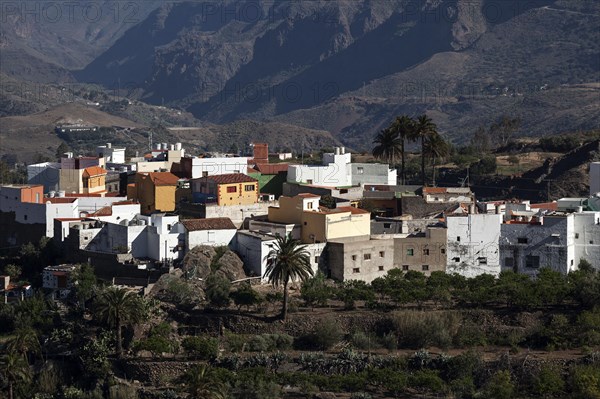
x: 350, y: 66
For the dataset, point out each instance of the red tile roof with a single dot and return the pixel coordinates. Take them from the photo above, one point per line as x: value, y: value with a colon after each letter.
x: 60, y: 200
x: 231, y: 178
x: 308, y: 195
x: 342, y: 209
x: 208, y: 224
x: 434, y: 190
x: 68, y: 219
x: 162, y: 178
x: 552, y: 206
x: 94, y: 171
x: 105, y: 211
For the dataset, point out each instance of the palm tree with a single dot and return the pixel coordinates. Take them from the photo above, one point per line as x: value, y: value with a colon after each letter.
x: 423, y: 129
x: 388, y: 145
x: 15, y: 370
x: 288, y: 261
x: 436, y: 147
x: 25, y: 342
x: 119, y: 307
x: 405, y: 126
x: 203, y: 384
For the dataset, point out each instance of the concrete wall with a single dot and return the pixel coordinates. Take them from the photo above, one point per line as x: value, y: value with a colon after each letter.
x: 424, y: 253
x: 92, y: 204
x: 253, y: 250
x: 526, y: 247
x: 372, y: 173
x: 473, y: 244
x: 360, y: 259
x: 237, y: 213
x: 275, y: 229
x: 334, y: 172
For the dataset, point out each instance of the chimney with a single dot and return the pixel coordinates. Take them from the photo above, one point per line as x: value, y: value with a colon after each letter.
x: 343, y: 150
x: 337, y: 150
x: 108, y: 145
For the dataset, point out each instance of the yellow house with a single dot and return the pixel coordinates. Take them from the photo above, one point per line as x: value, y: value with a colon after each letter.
x: 228, y: 189
x: 157, y: 191
x: 320, y: 224
x: 93, y: 180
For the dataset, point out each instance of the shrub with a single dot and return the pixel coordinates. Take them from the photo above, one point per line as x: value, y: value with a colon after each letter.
x: 389, y: 341
x: 426, y: 380
x: 217, y: 291
x: 500, y: 386
x: 548, y: 382
x: 363, y: 341
x: 585, y: 381
x: 246, y: 296
x: 420, y: 329
x: 325, y: 335
x: 205, y: 348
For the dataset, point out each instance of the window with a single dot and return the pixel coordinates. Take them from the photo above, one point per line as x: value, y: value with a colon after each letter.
x: 360, y: 170
x: 316, y: 259
x: 387, y: 225
x: 443, y: 251
x: 231, y: 189
x: 309, y: 205
x: 532, y: 261
x: 591, y: 241
x: 204, y: 174
x: 381, y: 254
x: 356, y: 270
x: 576, y: 235
x: 410, y: 252
x: 425, y: 268
x: 426, y: 251
x: 25, y: 217
x: 353, y: 257
x: 509, y: 262
x: 458, y: 238
x: 309, y: 181
x: 404, y: 267
x: 482, y: 260
x: 305, y: 223
x: 380, y: 268
x: 169, y: 227
x: 367, y: 256
x: 456, y: 259
x: 522, y: 240
x: 249, y: 187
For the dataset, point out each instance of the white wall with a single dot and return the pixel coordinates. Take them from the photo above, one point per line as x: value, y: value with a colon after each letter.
x: 587, y: 238
x: 552, y: 242
x: 479, y: 239
x: 92, y: 204
x: 213, y: 238
x: 594, y: 178
x: 334, y: 172
x: 218, y: 166
x: 253, y: 251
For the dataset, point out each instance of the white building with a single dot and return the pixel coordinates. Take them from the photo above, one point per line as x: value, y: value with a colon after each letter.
x: 110, y: 154
x: 587, y: 238
x: 202, y: 167
x: 46, y: 173
x: 542, y: 241
x: 338, y: 171
x: 213, y: 231
x: 253, y: 248
x: 473, y: 244
x: 58, y: 280
x: 594, y: 178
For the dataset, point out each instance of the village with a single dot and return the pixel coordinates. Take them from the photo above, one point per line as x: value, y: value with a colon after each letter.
x: 136, y: 219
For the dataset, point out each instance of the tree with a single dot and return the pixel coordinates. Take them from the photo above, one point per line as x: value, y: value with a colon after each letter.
x: 315, y: 291
x: 61, y: 149
x: 404, y: 126
x: 15, y: 371
x: 500, y: 386
x: 118, y: 307
x: 217, y: 290
x: 435, y: 148
x: 13, y: 271
x: 388, y: 145
x: 84, y: 281
x: 481, y: 141
x: 288, y: 261
x: 25, y: 342
x: 202, y: 383
x: 424, y: 128
x: 246, y: 296
x: 504, y: 130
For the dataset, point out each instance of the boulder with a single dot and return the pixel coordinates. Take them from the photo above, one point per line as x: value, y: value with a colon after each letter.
x: 201, y: 261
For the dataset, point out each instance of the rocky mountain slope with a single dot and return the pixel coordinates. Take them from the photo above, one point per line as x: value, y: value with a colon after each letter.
x: 347, y: 67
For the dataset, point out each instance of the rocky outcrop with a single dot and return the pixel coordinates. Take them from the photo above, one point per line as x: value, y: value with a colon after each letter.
x: 202, y: 260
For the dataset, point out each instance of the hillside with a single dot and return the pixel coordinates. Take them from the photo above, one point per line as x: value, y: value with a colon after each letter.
x: 349, y: 67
